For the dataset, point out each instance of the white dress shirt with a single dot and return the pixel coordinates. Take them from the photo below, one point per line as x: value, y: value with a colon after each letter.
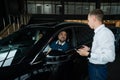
x: 103, y: 47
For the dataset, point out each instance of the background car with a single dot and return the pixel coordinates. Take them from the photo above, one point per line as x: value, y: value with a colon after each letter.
x: 22, y: 54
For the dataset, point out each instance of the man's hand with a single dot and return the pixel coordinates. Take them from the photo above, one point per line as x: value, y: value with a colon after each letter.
x: 86, y: 48
x: 83, y: 52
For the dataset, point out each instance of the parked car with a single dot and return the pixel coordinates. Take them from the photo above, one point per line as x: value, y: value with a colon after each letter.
x: 22, y: 54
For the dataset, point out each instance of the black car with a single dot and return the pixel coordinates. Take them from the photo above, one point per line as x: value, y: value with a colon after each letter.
x: 23, y: 55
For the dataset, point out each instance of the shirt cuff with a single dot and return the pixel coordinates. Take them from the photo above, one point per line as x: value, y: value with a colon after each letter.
x: 89, y: 55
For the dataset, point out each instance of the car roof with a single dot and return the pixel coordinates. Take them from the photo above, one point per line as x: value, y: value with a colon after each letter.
x: 56, y: 25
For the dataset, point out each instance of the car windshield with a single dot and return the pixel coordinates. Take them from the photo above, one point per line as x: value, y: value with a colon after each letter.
x: 14, y: 46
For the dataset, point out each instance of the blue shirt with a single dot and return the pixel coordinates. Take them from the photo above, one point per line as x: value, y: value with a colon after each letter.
x: 61, y: 47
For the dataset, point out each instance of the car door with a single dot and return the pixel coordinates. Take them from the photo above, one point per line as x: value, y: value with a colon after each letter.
x: 77, y: 35
x: 82, y: 36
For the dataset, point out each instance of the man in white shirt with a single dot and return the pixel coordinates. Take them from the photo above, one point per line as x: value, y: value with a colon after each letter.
x: 103, y: 48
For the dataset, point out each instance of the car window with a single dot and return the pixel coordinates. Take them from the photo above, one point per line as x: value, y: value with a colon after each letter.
x: 17, y: 38
x: 14, y: 47
x: 23, y: 37
x: 83, y: 36
x: 55, y: 38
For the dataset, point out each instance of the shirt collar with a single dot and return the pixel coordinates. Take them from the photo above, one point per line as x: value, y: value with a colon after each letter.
x: 58, y: 42
x: 98, y: 28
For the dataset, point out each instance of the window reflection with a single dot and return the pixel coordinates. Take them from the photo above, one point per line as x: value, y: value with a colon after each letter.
x: 78, y: 7
x: 110, y: 8
x: 54, y: 7
x: 72, y: 8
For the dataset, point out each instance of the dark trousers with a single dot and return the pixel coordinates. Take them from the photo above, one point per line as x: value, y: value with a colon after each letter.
x: 97, y: 72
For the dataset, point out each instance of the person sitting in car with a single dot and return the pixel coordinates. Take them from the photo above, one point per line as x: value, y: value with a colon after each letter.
x: 59, y: 47
x: 60, y: 44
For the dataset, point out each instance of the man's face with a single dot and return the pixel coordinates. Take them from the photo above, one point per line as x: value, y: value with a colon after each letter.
x: 62, y: 36
x: 91, y: 21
